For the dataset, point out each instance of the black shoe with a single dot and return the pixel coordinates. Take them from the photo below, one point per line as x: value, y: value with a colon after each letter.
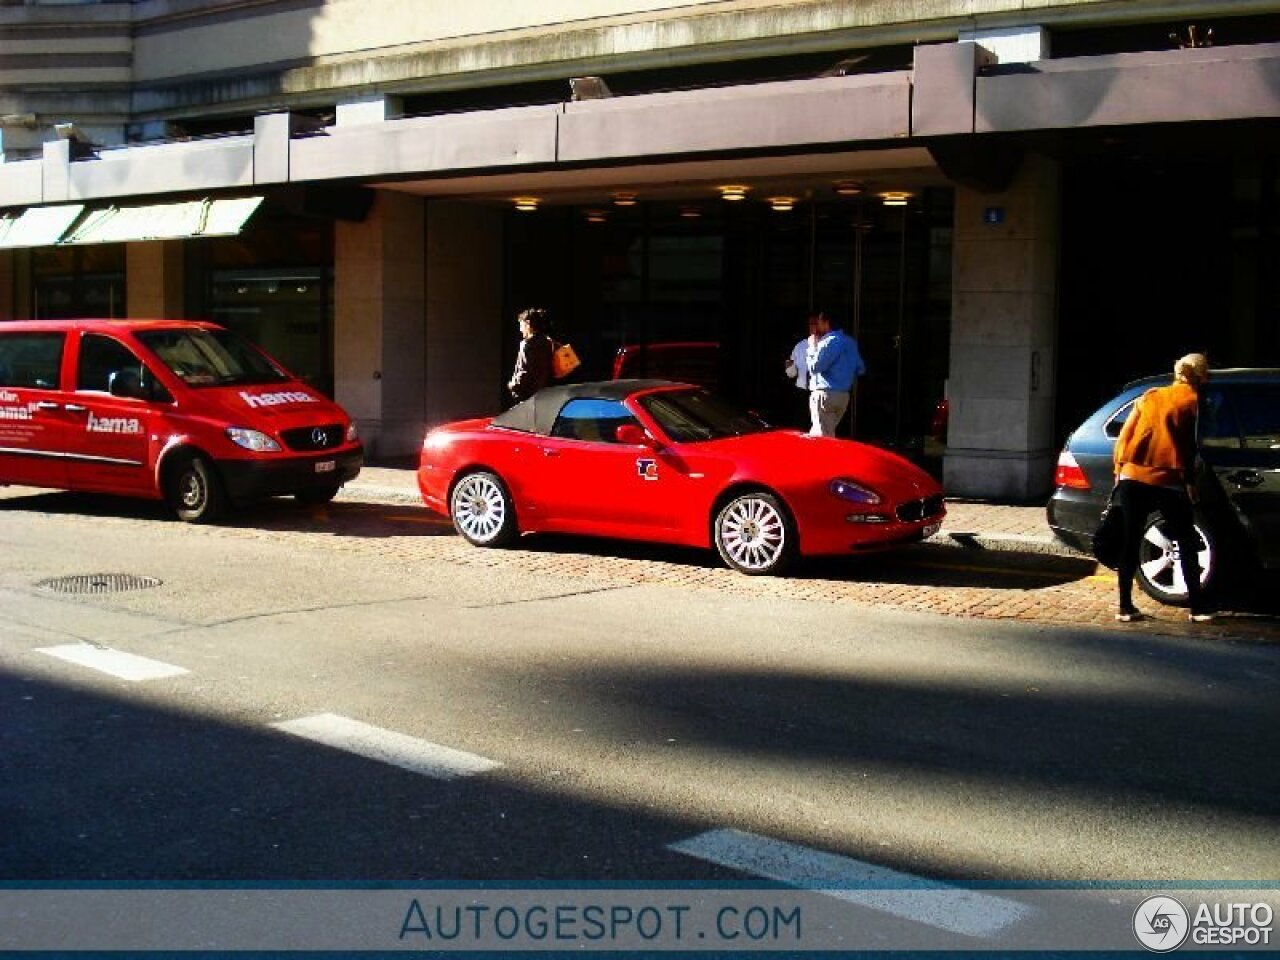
x: 1129, y: 615
x: 1201, y: 616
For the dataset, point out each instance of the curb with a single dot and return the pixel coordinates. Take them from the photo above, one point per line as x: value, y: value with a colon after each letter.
x: 1008, y: 543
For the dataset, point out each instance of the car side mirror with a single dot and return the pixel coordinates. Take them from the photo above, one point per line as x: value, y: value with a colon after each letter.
x: 126, y: 383
x: 633, y: 435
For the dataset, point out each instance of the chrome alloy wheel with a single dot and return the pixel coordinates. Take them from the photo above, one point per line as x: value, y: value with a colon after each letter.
x: 479, y: 508
x: 752, y: 534
x: 192, y: 490
x: 1160, y: 567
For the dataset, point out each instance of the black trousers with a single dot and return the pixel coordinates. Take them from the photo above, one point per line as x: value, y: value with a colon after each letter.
x: 1138, y: 501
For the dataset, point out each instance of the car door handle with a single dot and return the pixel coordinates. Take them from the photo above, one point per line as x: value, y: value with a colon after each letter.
x: 549, y: 452
x: 46, y: 405
x: 1246, y: 478
x: 75, y: 408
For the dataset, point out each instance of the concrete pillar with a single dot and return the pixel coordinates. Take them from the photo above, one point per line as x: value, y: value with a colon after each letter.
x: 464, y: 311
x: 1000, y: 441
x: 154, y: 280
x: 380, y: 323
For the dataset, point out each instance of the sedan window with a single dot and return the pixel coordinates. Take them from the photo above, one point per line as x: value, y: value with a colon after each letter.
x: 595, y: 421
x: 1116, y: 423
x: 1257, y: 410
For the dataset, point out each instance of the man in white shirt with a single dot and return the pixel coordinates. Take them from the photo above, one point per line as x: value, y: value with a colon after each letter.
x: 798, y: 365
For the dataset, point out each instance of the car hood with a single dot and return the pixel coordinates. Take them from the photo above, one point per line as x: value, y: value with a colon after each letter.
x: 277, y: 405
x: 800, y: 457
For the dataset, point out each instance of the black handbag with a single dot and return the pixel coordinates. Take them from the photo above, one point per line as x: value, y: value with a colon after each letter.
x: 1108, y: 539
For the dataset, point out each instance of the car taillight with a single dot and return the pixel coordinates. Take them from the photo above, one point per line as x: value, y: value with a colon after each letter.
x: 1069, y: 473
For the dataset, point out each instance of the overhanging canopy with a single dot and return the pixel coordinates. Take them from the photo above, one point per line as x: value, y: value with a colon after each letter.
x: 38, y: 226
x: 165, y: 221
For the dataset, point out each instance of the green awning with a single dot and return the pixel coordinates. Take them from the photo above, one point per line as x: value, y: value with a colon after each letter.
x: 37, y: 226
x: 165, y: 221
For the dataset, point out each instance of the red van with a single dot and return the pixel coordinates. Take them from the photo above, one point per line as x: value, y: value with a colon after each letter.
x: 164, y: 409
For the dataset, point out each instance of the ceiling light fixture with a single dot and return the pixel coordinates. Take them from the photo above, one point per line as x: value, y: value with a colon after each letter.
x: 782, y: 204
x: 895, y: 198
x: 596, y: 216
x: 526, y: 204
x: 848, y: 188
x: 733, y: 193
x: 691, y: 212
x: 625, y: 198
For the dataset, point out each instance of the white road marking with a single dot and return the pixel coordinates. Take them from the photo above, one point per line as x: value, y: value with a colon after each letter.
x: 126, y: 666
x: 953, y: 909
x: 398, y: 749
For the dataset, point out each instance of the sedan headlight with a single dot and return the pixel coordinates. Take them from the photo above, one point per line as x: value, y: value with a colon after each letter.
x: 352, y: 433
x: 854, y: 492
x: 252, y: 440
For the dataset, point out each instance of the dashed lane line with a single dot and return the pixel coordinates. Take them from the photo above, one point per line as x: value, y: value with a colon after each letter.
x: 387, y: 746
x: 116, y: 663
x: 903, y: 895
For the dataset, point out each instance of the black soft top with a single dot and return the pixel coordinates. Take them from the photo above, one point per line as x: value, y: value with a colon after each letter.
x: 539, y: 412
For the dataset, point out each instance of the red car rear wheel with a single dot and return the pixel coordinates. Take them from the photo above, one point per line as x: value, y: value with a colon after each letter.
x: 482, y: 511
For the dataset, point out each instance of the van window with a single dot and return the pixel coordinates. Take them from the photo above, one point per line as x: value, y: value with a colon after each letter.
x: 210, y: 358
x: 596, y: 421
x: 31, y: 360
x: 101, y: 358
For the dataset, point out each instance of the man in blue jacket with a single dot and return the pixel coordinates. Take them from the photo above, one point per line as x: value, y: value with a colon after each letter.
x: 834, y: 367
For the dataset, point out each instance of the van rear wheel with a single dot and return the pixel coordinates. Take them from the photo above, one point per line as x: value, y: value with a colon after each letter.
x: 195, y: 491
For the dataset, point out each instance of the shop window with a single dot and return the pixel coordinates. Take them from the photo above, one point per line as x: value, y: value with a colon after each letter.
x: 285, y: 312
x: 79, y: 281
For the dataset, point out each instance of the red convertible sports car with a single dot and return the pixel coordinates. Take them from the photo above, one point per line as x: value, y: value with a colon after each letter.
x: 672, y: 463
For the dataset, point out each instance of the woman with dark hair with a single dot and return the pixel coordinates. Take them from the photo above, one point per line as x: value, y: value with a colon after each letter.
x: 533, y: 359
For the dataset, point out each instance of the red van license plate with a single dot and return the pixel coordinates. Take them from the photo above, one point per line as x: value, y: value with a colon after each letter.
x: 326, y: 466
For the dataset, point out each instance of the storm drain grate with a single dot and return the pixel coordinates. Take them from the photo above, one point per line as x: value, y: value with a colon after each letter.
x: 98, y: 583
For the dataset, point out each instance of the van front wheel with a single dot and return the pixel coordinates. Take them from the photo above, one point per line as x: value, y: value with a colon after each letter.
x: 195, y: 492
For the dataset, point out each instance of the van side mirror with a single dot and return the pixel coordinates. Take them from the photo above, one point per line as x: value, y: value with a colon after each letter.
x: 633, y: 435
x: 126, y: 383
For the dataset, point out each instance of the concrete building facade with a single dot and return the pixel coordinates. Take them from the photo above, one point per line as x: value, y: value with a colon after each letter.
x: 166, y: 157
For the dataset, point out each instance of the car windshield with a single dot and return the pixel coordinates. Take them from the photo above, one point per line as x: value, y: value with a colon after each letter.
x: 690, y: 415
x: 211, y: 358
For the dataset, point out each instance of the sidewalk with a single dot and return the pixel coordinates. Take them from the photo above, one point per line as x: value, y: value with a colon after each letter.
x: 970, y: 524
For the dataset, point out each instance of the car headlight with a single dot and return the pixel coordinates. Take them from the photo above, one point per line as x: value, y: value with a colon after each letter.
x: 252, y: 440
x: 352, y: 433
x: 853, y: 492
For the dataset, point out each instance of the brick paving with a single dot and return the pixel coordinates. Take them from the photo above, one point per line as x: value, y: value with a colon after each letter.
x: 990, y: 562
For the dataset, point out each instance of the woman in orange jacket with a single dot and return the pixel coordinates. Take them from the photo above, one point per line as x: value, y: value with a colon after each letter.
x: 1155, y: 470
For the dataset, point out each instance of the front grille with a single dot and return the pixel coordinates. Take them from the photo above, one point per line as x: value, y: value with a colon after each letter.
x: 914, y: 511
x: 313, y: 438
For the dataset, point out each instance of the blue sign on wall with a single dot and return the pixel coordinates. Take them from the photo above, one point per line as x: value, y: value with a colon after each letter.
x: 993, y: 215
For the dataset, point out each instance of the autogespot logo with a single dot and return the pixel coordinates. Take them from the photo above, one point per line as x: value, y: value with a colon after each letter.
x: 1161, y: 924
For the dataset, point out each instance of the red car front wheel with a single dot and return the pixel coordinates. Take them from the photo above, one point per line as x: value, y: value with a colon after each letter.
x: 754, y: 534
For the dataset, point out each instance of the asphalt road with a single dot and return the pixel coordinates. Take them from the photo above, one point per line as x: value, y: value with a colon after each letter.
x: 606, y: 719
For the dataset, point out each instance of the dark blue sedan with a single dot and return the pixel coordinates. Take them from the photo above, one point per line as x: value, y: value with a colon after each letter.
x: 1238, y: 514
